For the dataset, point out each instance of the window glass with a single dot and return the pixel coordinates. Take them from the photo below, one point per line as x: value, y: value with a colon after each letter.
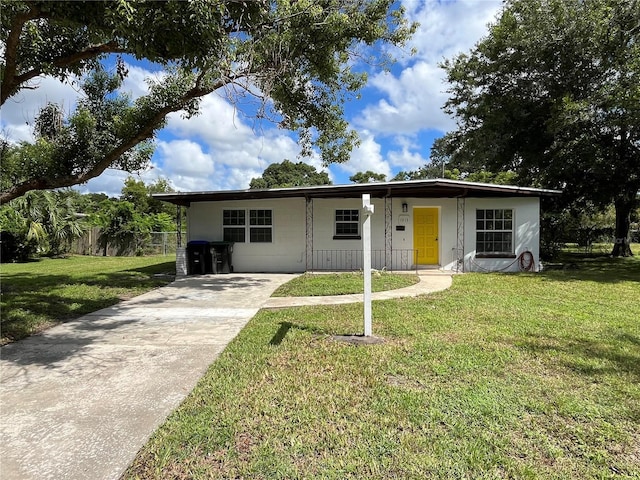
x: 260, y: 235
x: 347, y: 223
x: 260, y: 226
x: 264, y: 232
x: 234, y: 234
x: 494, y: 231
x: 260, y: 217
x: 233, y: 222
x: 233, y: 217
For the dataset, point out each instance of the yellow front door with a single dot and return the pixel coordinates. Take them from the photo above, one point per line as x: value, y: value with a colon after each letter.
x: 425, y: 235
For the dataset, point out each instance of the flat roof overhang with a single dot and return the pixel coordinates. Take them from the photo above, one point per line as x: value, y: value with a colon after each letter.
x: 432, y: 188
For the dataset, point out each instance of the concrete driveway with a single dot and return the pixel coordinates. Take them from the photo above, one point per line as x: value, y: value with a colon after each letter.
x: 80, y: 400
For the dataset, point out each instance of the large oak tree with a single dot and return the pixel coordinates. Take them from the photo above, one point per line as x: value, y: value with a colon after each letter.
x: 288, y: 174
x: 295, y: 57
x: 553, y: 93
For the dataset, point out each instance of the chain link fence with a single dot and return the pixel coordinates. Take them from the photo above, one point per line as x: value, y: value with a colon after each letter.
x: 153, y: 243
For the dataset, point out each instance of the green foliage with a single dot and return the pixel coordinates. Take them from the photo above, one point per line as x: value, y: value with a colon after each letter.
x: 585, y: 227
x: 161, y: 185
x: 161, y: 222
x: 139, y: 193
x: 367, y: 177
x: 298, y: 59
x: 47, y: 222
x: 127, y: 223
x: 500, y: 178
x: 74, y: 148
x: 15, y: 244
x: 553, y: 93
x: 157, y: 215
x: 135, y: 192
x: 41, y: 221
x: 433, y: 170
x: 123, y: 228
x: 289, y: 174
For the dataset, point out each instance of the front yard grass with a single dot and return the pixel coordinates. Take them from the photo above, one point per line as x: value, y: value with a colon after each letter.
x: 311, y: 284
x: 501, y: 376
x: 36, y: 295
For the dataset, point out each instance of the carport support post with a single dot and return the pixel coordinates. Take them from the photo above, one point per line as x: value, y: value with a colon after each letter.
x: 367, y: 209
x: 179, y: 225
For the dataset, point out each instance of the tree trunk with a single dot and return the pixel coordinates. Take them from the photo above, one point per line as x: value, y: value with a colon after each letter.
x: 622, y: 245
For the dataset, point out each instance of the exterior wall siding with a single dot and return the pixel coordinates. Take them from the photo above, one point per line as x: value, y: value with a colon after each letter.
x: 526, y: 231
x: 287, y: 251
x: 284, y: 254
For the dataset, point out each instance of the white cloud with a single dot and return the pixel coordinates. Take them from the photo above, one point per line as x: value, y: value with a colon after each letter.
x: 366, y: 157
x: 236, y: 152
x: 135, y: 82
x: 237, y: 178
x: 412, y: 100
x: 18, y: 112
x: 406, y: 159
x: 186, y: 158
x: 449, y: 27
x: 217, y: 124
x: 110, y: 182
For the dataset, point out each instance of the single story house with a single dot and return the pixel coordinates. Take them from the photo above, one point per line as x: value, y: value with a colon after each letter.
x: 451, y: 225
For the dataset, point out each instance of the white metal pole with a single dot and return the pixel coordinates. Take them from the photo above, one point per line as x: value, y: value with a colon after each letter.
x: 366, y: 253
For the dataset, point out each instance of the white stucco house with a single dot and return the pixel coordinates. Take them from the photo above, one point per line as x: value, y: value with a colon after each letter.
x: 451, y: 225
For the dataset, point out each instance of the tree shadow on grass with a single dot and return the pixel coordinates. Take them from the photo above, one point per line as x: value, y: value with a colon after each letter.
x: 165, y: 268
x: 595, y: 268
x: 31, y: 301
x: 593, y: 358
x: 284, y: 328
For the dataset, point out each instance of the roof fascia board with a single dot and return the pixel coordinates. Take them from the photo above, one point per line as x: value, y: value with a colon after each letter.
x: 432, y: 188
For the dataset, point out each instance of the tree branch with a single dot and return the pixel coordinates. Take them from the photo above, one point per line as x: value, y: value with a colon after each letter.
x: 11, y: 46
x: 144, y: 133
x: 89, y: 52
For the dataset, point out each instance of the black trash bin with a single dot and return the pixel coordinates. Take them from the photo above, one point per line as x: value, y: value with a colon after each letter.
x: 222, y: 254
x: 199, y: 258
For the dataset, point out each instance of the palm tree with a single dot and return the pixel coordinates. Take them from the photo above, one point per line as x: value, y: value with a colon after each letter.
x: 50, y: 219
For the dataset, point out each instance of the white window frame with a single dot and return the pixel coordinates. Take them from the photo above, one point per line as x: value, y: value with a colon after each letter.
x: 356, y: 222
x: 249, y: 225
x: 495, y: 223
x: 254, y: 227
x: 234, y: 226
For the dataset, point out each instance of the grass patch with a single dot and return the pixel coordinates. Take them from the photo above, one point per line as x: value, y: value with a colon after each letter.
x: 501, y: 376
x: 36, y: 295
x: 310, y: 285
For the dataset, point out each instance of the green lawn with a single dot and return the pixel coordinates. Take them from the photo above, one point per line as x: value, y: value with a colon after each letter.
x: 39, y: 294
x: 502, y: 376
x: 343, y: 283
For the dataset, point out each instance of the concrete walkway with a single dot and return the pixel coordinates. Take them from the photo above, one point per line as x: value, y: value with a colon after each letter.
x: 79, y: 400
x: 430, y: 281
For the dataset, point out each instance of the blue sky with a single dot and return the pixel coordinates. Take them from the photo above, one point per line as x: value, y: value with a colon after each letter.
x: 397, y: 117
